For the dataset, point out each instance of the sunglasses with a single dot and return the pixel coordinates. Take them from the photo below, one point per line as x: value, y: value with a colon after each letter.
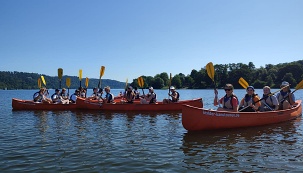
x: 227, y: 89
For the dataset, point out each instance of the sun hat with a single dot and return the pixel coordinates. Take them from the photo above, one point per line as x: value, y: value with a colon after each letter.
x: 172, y: 88
x: 151, y: 88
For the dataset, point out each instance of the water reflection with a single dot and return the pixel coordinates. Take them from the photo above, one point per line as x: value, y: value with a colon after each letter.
x: 242, y: 147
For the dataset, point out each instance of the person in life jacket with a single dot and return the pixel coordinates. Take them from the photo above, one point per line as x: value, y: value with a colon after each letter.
x: 73, y: 97
x: 56, y: 97
x: 269, y: 102
x: 95, y: 95
x: 174, y: 96
x: 137, y: 93
x: 109, y: 97
x: 64, y: 96
x: 129, y: 95
x: 285, y: 98
x: 229, y: 101
x: 250, y: 102
x: 40, y: 96
x: 150, y: 98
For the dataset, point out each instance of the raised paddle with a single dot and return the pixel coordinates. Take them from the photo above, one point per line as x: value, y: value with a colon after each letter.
x: 243, y: 83
x: 169, y: 84
x: 210, y: 69
x: 68, y: 83
x: 80, y: 76
x: 86, y: 84
x: 102, y: 69
x: 60, y: 74
x: 141, y: 83
x: 126, y: 83
x: 39, y: 83
x: 43, y: 80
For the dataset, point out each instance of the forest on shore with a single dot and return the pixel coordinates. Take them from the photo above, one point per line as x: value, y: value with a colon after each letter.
x: 270, y: 75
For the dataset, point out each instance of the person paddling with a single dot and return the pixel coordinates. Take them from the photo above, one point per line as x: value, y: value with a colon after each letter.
x: 285, y: 97
x: 269, y: 102
x: 229, y: 101
x: 250, y: 102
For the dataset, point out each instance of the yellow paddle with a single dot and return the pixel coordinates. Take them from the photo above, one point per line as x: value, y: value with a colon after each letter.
x: 141, y: 83
x: 86, y: 82
x: 39, y: 83
x: 60, y: 74
x: 243, y: 83
x: 101, y: 74
x: 169, y: 84
x: 43, y: 80
x: 210, y: 69
x: 68, y: 83
x: 80, y: 76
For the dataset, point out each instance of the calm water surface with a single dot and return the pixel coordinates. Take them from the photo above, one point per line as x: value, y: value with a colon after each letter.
x: 94, y: 141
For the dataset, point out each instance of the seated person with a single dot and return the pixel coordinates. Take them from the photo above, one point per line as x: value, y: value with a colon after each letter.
x: 150, y: 98
x: 137, y: 93
x: 40, y: 96
x: 129, y: 95
x: 56, y: 97
x: 95, y: 95
x: 174, y: 96
x: 269, y: 103
x: 109, y: 97
x: 285, y: 98
x: 73, y: 97
x: 229, y: 101
x: 64, y: 96
x: 250, y: 102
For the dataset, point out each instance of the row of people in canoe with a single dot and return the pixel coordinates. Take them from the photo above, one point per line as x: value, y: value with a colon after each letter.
x: 251, y: 102
x: 130, y: 94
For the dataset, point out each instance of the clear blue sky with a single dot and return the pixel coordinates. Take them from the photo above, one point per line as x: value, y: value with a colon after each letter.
x: 146, y: 37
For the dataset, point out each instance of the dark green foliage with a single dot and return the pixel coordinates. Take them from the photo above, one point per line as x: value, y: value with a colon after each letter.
x: 21, y: 80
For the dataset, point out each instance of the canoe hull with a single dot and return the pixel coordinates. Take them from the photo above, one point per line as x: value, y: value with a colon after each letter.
x: 136, y: 106
x: 18, y: 104
x: 196, y: 119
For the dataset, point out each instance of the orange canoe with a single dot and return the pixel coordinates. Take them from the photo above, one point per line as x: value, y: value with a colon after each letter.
x: 136, y: 106
x: 18, y: 104
x: 195, y: 119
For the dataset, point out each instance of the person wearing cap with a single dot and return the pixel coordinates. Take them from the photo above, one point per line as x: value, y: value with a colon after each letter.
x: 129, y: 95
x: 150, y: 98
x: 229, y: 101
x: 64, y: 96
x: 174, y: 96
x: 56, y: 97
x: 269, y: 102
x: 73, y: 97
x: 251, y: 101
x: 285, y: 98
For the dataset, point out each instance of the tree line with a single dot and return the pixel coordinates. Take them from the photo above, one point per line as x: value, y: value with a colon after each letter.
x: 22, y: 80
x: 271, y: 75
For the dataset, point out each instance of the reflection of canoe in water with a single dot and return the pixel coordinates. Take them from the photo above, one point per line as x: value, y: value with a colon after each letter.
x: 136, y: 106
x: 194, y: 119
x: 18, y: 104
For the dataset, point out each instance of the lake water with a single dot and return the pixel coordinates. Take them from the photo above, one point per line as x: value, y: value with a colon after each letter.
x: 94, y: 141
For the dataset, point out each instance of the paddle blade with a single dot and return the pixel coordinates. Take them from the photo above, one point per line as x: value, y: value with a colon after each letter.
x: 68, y: 82
x: 140, y: 82
x: 86, y: 82
x: 243, y: 83
x: 39, y: 83
x: 102, y: 71
x: 210, y: 71
x: 80, y: 74
x: 60, y: 73
x: 43, y: 80
x: 300, y: 85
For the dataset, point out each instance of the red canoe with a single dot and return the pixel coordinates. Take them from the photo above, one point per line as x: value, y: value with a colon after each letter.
x: 136, y: 106
x: 195, y: 119
x: 18, y: 104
